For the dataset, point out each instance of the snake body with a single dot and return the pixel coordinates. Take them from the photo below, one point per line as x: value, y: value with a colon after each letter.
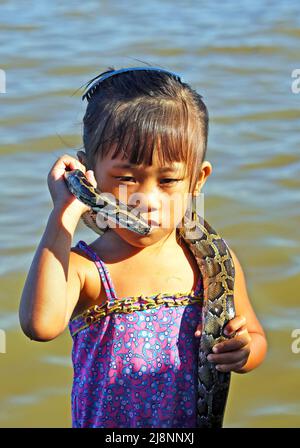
x: 109, y: 207
x: 216, y: 265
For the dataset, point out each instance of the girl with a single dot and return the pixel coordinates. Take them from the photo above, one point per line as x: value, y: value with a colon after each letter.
x: 133, y: 302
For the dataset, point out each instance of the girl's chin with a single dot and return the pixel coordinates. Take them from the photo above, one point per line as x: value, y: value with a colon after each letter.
x: 139, y: 240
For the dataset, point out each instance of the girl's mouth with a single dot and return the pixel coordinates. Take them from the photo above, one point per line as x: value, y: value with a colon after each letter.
x: 153, y: 223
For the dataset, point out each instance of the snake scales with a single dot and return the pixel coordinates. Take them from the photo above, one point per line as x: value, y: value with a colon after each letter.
x: 217, y: 269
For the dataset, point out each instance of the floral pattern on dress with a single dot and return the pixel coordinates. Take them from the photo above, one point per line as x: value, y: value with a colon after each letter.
x: 136, y: 370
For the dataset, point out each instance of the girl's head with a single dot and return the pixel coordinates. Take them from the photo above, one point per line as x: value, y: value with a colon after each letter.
x: 150, y: 119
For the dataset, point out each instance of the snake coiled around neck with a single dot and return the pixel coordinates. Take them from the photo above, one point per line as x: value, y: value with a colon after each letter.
x: 216, y: 265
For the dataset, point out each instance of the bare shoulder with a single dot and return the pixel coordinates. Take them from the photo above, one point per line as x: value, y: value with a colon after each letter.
x: 242, y: 300
x: 83, y: 266
x: 77, y: 263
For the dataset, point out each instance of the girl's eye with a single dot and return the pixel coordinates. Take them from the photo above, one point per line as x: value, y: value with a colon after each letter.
x: 124, y: 178
x: 167, y: 181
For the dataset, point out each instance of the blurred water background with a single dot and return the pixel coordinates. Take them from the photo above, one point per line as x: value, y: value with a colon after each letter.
x: 240, y: 56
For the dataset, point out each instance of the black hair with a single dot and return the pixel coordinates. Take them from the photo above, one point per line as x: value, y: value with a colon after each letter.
x: 137, y: 112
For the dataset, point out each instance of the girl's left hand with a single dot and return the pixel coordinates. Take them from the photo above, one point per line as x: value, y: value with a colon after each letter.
x: 231, y: 354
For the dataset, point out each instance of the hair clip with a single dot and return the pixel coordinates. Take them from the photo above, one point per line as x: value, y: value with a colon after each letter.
x: 94, y: 83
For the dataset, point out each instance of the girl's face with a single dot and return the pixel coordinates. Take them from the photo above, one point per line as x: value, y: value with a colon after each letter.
x: 159, y: 193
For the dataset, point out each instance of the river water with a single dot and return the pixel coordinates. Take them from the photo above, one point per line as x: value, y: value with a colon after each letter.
x: 240, y: 56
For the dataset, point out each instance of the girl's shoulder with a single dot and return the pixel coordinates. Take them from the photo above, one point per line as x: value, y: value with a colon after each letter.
x: 175, y: 272
x: 88, y: 273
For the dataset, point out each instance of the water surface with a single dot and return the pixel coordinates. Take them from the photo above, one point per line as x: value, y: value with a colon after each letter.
x: 239, y: 55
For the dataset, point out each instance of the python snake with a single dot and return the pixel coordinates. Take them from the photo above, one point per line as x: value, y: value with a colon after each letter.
x: 217, y: 269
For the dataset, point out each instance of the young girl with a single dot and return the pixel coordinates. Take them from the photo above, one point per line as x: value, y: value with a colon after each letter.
x: 133, y: 302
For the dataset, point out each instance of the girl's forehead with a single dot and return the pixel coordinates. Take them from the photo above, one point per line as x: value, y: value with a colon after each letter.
x: 122, y: 161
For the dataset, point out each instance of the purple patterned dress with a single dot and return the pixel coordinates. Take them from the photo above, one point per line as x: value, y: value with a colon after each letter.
x: 135, y: 359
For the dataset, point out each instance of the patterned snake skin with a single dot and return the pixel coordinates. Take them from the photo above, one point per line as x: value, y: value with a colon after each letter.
x: 217, y: 269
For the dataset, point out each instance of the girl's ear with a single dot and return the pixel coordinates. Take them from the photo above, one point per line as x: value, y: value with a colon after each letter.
x: 82, y: 158
x: 205, y: 172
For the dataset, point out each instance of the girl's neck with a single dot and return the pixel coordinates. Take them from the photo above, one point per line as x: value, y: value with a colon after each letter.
x: 111, y: 247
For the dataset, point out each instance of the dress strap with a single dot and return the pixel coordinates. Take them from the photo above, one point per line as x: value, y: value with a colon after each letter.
x: 198, y: 286
x: 103, y: 271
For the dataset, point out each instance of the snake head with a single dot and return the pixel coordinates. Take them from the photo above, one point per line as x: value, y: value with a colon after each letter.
x: 109, y: 207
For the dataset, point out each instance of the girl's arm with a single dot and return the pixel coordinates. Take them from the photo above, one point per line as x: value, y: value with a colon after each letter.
x: 246, y: 323
x: 53, y: 286
x: 248, y: 348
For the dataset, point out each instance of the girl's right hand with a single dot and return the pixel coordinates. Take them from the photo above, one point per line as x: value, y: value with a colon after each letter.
x: 62, y: 198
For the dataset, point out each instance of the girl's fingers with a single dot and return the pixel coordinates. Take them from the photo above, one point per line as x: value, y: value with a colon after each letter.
x: 88, y: 173
x: 234, y: 324
x: 72, y: 163
x: 229, y: 358
x: 230, y: 367
x: 243, y: 332
x: 242, y: 329
x: 68, y: 162
x: 198, y: 331
x: 91, y: 177
x: 236, y: 343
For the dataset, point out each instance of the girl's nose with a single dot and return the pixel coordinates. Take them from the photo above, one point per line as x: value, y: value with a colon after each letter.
x: 147, y: 200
